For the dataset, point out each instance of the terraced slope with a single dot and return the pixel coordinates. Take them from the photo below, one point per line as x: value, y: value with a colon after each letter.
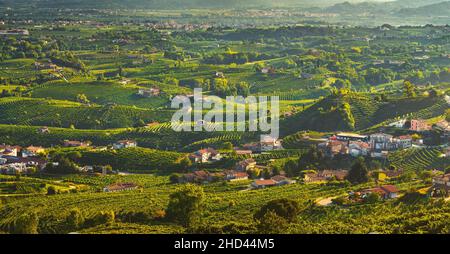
x: 419, y: 159
x: 57, y: 113
x: 325, y: 115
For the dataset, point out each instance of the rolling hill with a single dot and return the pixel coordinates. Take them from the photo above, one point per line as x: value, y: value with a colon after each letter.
x: 358, y: 112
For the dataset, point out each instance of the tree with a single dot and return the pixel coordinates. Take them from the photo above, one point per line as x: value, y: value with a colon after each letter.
x: 271, y: 223
x: 287, y: 209
x: 358, y: 173
x: 75, y: 219
x: 227, y: 146
x: 51, y: 190
x: 408, y: 89
x: 185, y: 163
x: 26, y: 224
x: 185, y: 205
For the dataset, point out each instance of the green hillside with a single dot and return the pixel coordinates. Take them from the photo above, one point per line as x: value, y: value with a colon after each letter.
x: 360, y: 111
x: 57, y: 113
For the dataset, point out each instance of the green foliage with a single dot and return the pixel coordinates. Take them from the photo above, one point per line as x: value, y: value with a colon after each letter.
x: 358, y: 173
x: 26, y: 224
x: 284, y: 208
x: 185, y: 205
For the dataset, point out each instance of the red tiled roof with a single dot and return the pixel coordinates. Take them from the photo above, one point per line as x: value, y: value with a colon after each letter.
x: 265, y: 182
x: 389, y: 188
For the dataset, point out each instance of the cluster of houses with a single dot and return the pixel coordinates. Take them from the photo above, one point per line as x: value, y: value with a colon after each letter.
x: 265, y: 145
x: 375, y: 145
x: 325, y: 175
x: 205, y: 156
x: 17, y: 160
x: 441, y: 185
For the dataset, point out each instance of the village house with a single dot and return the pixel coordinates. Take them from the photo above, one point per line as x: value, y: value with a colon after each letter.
x: 32, y: 151
x: 201, y: 176
x: 358, y: 148
x: 149, y: 92
x: 121, y: 144
x: 419, y: 125
x: 43, y: 130
x: 282, y: 180
x: 120, y: 187
x: 254, y: 147
x: 381, y: 141
x: 6, y: 150
x: 259, y: 184
x: 232, y: 175
x: 385, y: 192
x: 332, y: 148
x: 75, y: 143
x: 325, y: 175
x: 205, y: 155
x: 404, y: 141
x: 246, y: 165
x: 14, y: 168
x: 441, y: 184
x: 270, y: 144
x: 442, y: 126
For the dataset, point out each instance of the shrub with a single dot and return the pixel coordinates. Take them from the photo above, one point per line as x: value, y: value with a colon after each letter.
x: 26, y: 224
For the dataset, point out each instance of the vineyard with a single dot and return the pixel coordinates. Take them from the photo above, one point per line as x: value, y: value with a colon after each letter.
x: 419, y: 159
x: 26, y: 111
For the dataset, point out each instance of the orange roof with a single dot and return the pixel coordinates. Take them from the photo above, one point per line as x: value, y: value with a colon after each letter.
x: 265, y: 182
x: 389, y: 188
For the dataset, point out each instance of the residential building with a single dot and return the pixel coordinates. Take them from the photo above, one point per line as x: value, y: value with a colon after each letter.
x: 259, y: 184
x: 32, y: 151
x: 358, y: 148
x: 232, y: 175
x: 149, y: 92
x: 381, y: 141
x: 441, y: 184
x: 270, y: 144
x: 124, y: 144
x: 75, y: 143
x: 419, y: 125
x: 385, y: 191
x: 404, y: 141
x: 245, y: 165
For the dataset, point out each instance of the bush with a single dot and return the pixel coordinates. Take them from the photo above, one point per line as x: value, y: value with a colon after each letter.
x: 285, y: 208
x: 51, y: 190
x: 75, y: 219
x: 26, y: 224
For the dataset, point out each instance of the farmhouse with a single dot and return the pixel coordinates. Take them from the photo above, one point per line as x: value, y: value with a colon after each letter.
x: 281, y: 180
x: 149, y: 92
x: 259, y: 184
x: 270, y: 144
x: 385, y: 191
x: 231, y: 175
x: 205, y: 155
x: 325, y: 175
x: 245, y: 165
x: 43, y: 130
x: 441, y: 184
x: 74, y: 143
x: 124, y: 144
x: 120, y: 187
